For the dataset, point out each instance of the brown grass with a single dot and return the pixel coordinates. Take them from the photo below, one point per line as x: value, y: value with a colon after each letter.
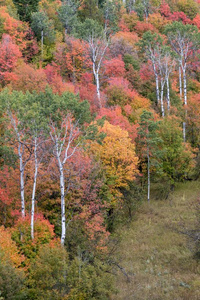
x: 155, y: 255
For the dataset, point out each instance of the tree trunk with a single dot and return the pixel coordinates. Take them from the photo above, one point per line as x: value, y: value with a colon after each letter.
x: 185, y: 85
x: 161, y: 100
x: 98, y: 88
x: 21, y: 180
x: 185, y: 101
x: 184, y: 132
x: 62, y: 190
x: 168, y: 94
x: 157, y: 83
x: 42, y: 44
x: 157, y: 89
x: 180, y: 83
x: 148, y: 175
x: 34, y: 190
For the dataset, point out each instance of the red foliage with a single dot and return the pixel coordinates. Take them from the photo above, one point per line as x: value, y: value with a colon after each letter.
x: 5, y: 197
x: 71, y: 58
x: 175, y: 16
x: 142, y: 27
x: 196, y: 21
x: 31, y: 48
x: 115, y: 117
x: 56, y: 82
x: 180, y: 16
x: 9, y: 196
x: 146, y: 72
x: 9, y: 55
x: 29, y: 79
x: 165, y: 10
x: 87, y: 90
x: 114, y: 67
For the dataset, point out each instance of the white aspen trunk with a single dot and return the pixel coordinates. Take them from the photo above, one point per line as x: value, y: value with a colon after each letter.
x: 157, y: 83
x: 98, y: 89
x: 184, y: 85
x: 21, y: 180
x: 42, y: 43
x: 148, y: 175
x: 62, y: 144
x: 62, y: 196
x: 161, y: 99
x: 185, y: 101
x: 168, y: 94
x: 157, y: 89
x: 96, y: 75
x: 34, y: 191
x: 62, y: 190
x: 180, y: 83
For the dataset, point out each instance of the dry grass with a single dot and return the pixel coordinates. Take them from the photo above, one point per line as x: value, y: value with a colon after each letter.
x: 155, y: 255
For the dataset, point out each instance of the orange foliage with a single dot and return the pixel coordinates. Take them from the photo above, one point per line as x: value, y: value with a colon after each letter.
x: 158, y: 21
x: 15, y: 28
x: 9, y: 248
x: 124, y: 42
x: 21, y: 234
x: 29, y: 79
x: 128, y: 21
x: 119, y: 93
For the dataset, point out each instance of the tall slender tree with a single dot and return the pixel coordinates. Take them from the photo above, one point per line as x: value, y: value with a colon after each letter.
x: 184, y: 40
x: 148, y: 143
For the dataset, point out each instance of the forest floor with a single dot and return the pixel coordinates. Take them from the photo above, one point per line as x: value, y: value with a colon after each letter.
x: 155, y: 255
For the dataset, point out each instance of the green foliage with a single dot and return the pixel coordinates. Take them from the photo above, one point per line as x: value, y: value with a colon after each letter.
x: 21, y: 234
x: 48, y: 274
x: 42, y: 25
x: 90, y: 11
x: 11, y: 281
x: 25, y: 8
x: 54, y: 276
x: 148, y: 141
x: 177, y: 159
x: 181, y: 36
x: 67, y: 14
x: 130, y: 60
x: 189, y: 7
x: 111, y: 11
x: 89, y: 28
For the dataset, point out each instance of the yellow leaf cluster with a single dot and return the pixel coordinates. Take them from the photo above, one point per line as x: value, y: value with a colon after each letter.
x: 118, y: 157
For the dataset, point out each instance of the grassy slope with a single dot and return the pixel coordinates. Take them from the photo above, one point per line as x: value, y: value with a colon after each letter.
x: 155, y: 256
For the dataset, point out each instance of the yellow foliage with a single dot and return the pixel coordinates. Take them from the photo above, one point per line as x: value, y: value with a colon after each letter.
x: 9, y: 248
x: 158, y: 21
x: 117, y: 154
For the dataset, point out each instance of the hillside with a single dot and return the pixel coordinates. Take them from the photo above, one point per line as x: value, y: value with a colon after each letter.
x: 99, y: 110
x: 155, y: 256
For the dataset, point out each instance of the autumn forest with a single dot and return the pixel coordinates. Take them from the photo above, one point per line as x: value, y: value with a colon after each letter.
x: 99, y: 118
